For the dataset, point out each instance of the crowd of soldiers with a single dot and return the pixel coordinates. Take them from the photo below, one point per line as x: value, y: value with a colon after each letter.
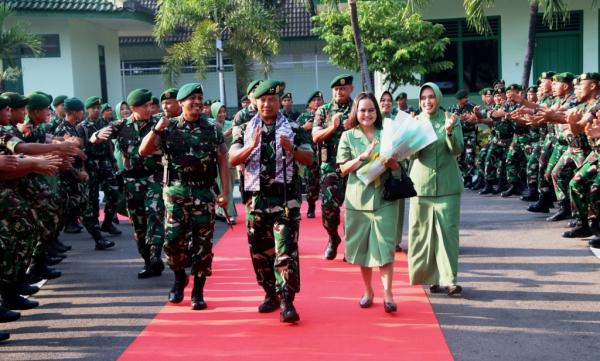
x: 541, y: 144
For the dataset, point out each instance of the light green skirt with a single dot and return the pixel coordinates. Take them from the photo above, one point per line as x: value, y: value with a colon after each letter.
x: 371, y: 235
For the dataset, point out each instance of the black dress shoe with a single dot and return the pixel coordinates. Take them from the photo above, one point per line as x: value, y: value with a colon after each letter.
x: 26, y: 289
x: 176, y: 293
x: 454, y: 290
x: 7, y: 315
x: 110, y: 228
x: 18, y: 302
x: 103, y: 243
x: 579, y: 231
x: 4, y: 336
x: 435, y: 289
x: 389, y: 307
x: 365, y: 302
x: 270, y: 304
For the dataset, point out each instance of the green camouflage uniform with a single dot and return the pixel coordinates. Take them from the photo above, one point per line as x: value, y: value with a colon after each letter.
x: 495, y: 161
x: 143, y: 187
x: 480, y: 159
x: 311, y: 173
x: 333, y: 184
x: 272, y: 234
x: 293, y: 115
x: 190, y: 151
x: 516, y: 159
x: 467, y: 160
x: 539, y: 136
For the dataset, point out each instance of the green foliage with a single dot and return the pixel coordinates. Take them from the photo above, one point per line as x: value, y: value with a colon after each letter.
x: 400, y: 50
x: 250, y: 29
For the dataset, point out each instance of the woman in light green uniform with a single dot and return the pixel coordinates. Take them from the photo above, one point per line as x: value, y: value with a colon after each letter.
x: 370, y: 229
x: 219, y: 113
x: 434, y: 217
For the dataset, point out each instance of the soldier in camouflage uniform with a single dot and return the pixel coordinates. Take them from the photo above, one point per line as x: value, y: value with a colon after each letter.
x: 143, y: 177
x: 101, y: 167
x: 245, y: 114
x: 311, y: 173
x: 59, y: 114
x: 464, y: 108
x: 194, y: 152
x: 480, y: 113
x: 270, y: 146
x: 330, y: 122
x: 287, y: 107
x: 516, y: 160
x: 402, y: 104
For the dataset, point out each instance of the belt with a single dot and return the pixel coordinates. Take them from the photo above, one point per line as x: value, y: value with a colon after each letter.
x: 189, y: 180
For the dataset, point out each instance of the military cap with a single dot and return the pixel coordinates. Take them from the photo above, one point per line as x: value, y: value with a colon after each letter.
x: 590, y: 76
x: 268, y: 87
x: 104, y: 107
x: 4, y: 101
x: 155, y: 100
x: 461, y: 94
x: 500, y: 90
x: 44, y: 94
x: 532, y: 89
x: 38, y: 101
x: 170, y: 93
x: 314, y: 95
x: 244, y: 99
x: 16, y: 100
x: 498, y: 82
x: 514, y: 86
x: 547, y: 75
x: 59, y: 100
x: 253, y: 84
x: 286, y: 95
x: 402, y: 95
x: 189, y: 89
x: 91, y: 101
x: 73, y: 104
x: 486, y: 91
x: 343, y: 79
x: 576, y: 81
x: 139, y: 97
x: 207, y: 102
x: 565, y: 77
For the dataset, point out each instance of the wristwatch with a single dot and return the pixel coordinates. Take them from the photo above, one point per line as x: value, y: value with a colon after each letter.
x: 156, y: 131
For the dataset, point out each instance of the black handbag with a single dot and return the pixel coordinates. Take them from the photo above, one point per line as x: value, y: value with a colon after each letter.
x: 394, y: 188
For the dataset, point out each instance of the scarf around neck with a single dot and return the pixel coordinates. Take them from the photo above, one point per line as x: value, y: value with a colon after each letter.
x: 252, y: 165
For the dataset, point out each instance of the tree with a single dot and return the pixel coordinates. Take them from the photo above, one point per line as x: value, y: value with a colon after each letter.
x: 400, y: 50
x: 12, y: 39
x: 555, y: 13
x: 249, y: 30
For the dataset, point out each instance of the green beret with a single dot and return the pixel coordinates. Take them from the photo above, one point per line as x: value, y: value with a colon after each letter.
x: 189, y: 89
x: 59, y: 100
x: 155, y: 100
x: 547, y: 75
x: 314, y: 95
x: 486, y: 91
x: 498, y: 82
x: 590, y: 76
x: 402, y: 95
x: 244, y: 99
x: 268, y: 87
x: 499, y: 91
x: 532, y: 89
x: 207, y: 103
x: 461, y: 94
x: 92, y: 101
x: 4, y: 101
x: 104, y: 107
x: 139, y: 97
x: 74, y: 104
x: 565, y: 77
x: 170, y: 93
x: 38, y: 101
x: 343, y: 79
x: 44, y: 94
x: 16, y: 100
x: 253, y: 84
x: 514, y: 86
x: 286, y: 95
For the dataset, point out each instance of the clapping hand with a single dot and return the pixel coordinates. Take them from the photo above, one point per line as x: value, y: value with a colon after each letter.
x: 256, y: 136
x: 367, y: 153
x: 450, y: 121
x: 104, y: 133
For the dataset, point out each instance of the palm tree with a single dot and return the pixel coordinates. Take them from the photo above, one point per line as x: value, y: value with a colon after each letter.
x: 249, y: 30
x: 12, y: 39
x: 555, y: 13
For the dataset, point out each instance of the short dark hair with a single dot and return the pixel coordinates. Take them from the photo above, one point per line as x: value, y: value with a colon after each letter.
x: 363, y: 96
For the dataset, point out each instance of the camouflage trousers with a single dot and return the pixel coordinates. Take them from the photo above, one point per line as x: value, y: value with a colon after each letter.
x: 273, y: 242
x: 311, y: 174
x: 146, y: 211
x: 102, y: 179
x: 547, y: 147
x: 333, y: 191
x: 480, y: 162
x: 18, y: 233
x: 495, y: 160
x: 564, y: 170
x: 533, y: 164
x: 73, y: 197
x: 189, y: 228
x: 557, y: 151
x: 467, y: 161
x: 516, y: 159
x: 580, y: 186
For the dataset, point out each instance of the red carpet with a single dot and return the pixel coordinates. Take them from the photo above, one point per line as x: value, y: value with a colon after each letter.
x: 332, y: 326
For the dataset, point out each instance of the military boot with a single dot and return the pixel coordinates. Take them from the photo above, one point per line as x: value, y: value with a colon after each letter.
x: 101, y: 242
x: 564, y: 212
x: 14, y: 301
x: 26, y: 289
x: 109, y: 227
x: 60, y: 247
x: 311, y: 210
x: 287, y: 311
x: 479, y: 184
x: 542, y: 205
x: 198, y: 302
x: 531, y: 194
x: 487, y: 189
x: 4, y: 336
x: 332, y: 245
x: 270, y: 303
x: 7, y: 315
x: 513, y: 189
x: 581, y: 230
x: 38, y: 271
x: 501, y: 187
x: 594, y: 242
x: 176, y: 293
x: 156, y: 262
